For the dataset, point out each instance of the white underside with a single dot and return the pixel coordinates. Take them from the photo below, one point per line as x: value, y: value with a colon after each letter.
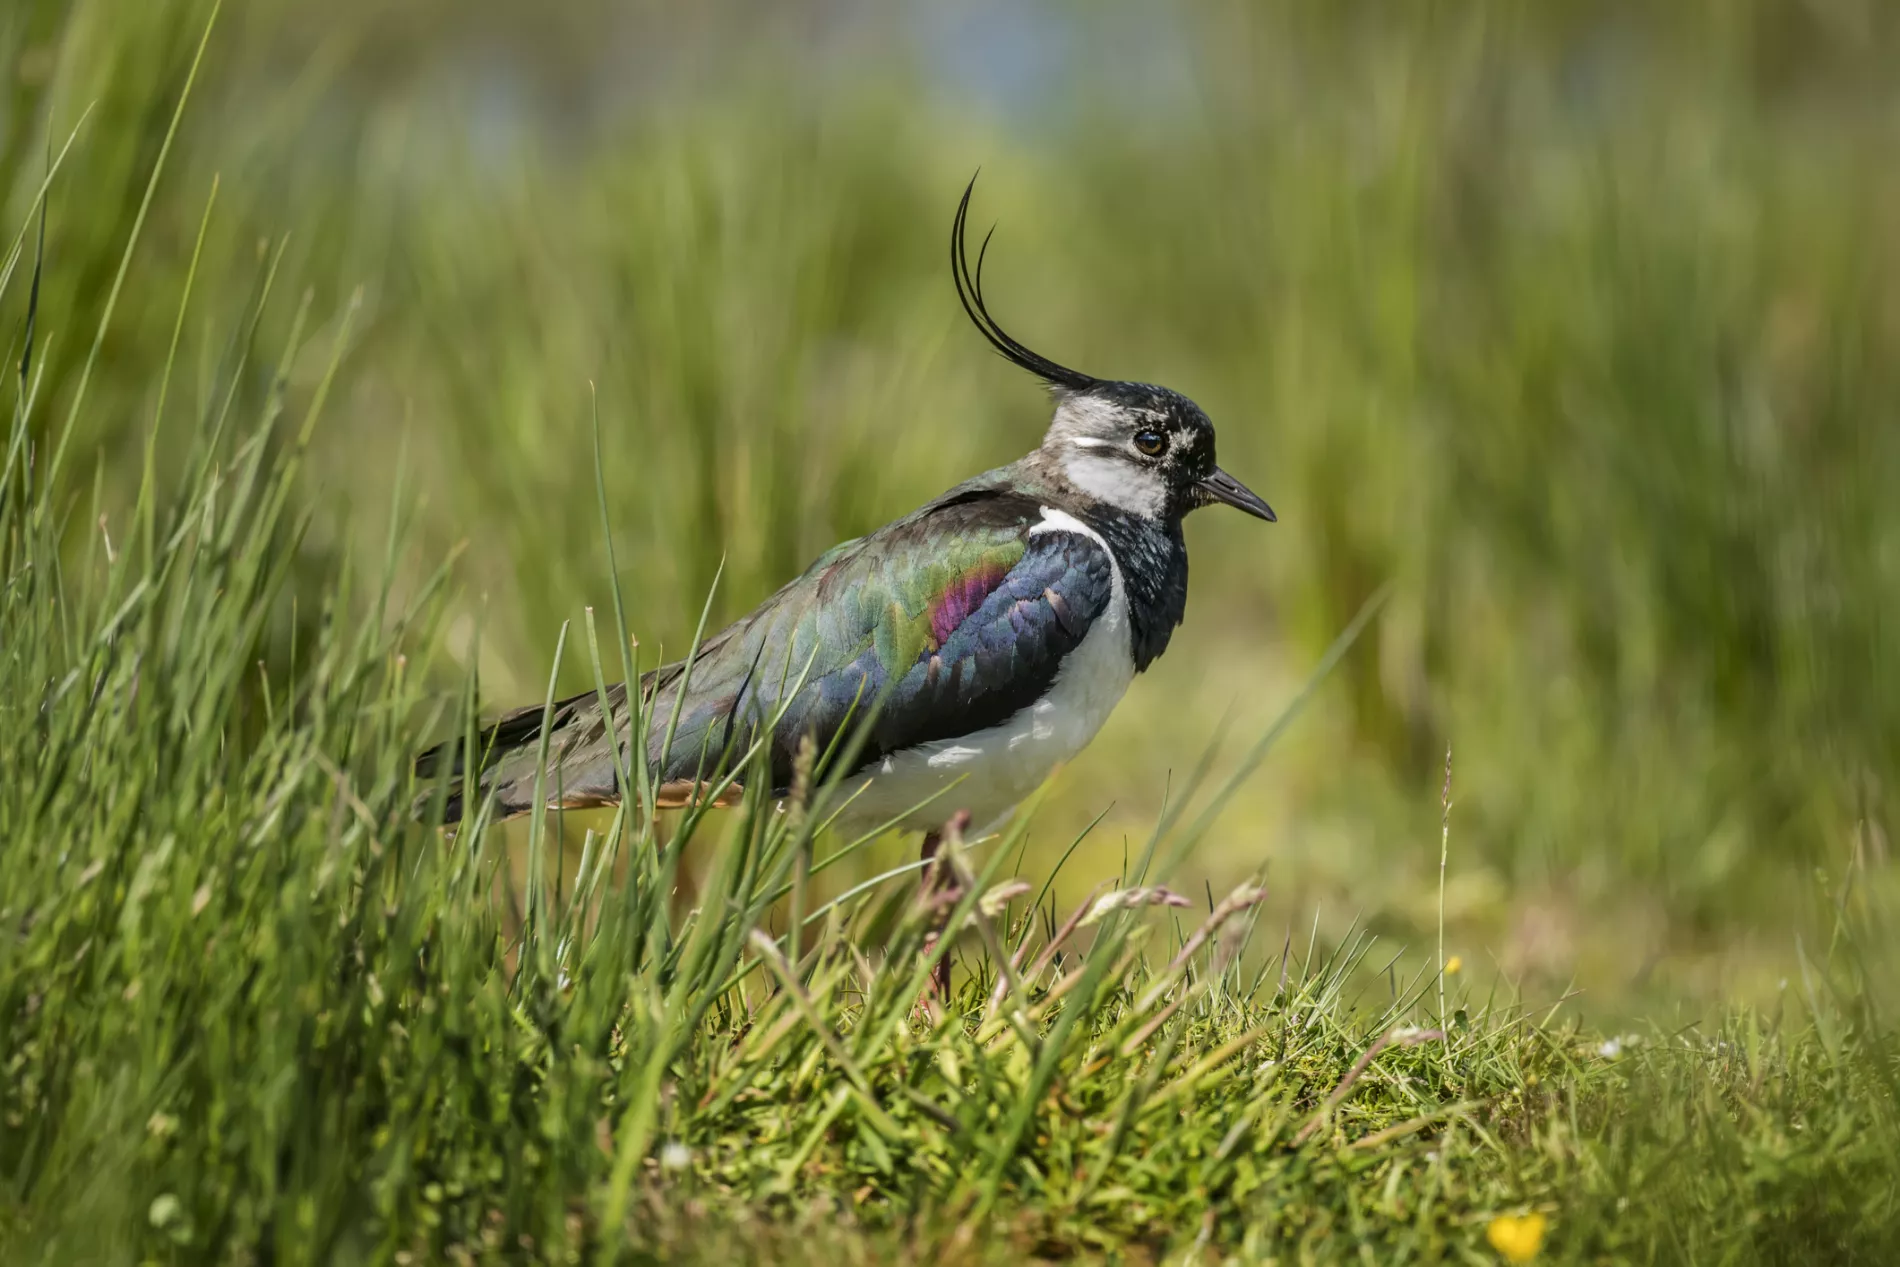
x: 988, y: 773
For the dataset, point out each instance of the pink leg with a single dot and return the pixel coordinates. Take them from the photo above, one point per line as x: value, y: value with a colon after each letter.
x: 934, y: 881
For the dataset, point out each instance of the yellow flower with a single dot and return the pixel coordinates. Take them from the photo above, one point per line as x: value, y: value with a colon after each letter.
x: 1453, y: 964
x: 1517, y: 1236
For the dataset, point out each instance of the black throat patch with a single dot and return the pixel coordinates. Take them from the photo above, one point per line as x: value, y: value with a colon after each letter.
x: 1153, y: 559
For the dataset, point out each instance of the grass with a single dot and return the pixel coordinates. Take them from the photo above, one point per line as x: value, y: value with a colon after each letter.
x: 257, y: 1012
x: 252, y: 1010
x: 1569, y: 325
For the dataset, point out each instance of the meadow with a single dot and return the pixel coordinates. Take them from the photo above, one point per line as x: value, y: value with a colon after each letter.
x: 370, y: 371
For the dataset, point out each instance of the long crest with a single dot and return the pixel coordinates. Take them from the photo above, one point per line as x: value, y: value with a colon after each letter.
x: 970, y: 291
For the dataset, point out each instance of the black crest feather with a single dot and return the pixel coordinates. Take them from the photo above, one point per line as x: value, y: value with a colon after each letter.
x: 970, y: 291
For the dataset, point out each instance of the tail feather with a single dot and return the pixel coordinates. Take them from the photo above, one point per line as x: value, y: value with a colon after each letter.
x: 510, y: 731
x: 582, y: 760
x: 580, y: 766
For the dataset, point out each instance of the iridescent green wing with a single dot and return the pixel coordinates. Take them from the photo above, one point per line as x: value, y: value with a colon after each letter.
x: 940, y: 625
x: 936, y: 626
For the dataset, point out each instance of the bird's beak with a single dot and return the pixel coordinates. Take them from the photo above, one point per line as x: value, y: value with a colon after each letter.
x: 1222, y: 487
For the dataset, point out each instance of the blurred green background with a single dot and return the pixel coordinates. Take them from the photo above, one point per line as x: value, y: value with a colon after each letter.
x: 1580, y: 323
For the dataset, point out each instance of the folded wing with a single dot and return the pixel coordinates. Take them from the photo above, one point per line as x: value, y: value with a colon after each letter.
x: 943, y: 623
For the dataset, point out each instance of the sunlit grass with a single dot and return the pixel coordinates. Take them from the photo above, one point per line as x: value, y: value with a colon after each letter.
x: 257, y: 1011
x: 1595, y: 385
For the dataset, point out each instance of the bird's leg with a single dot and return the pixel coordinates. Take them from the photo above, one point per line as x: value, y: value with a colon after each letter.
x: 933, y: 882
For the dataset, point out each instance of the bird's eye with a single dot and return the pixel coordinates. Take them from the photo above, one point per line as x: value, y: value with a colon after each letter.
x: 1152, y: 443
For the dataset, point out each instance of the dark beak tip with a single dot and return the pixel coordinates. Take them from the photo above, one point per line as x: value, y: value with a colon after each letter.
x: 1224, y: 488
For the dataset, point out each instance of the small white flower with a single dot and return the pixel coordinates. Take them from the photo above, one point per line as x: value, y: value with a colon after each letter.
x: 1614, y: 1047
x: 675, y: 1156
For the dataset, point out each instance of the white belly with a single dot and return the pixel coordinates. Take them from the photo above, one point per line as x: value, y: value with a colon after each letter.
x: 990, y: 771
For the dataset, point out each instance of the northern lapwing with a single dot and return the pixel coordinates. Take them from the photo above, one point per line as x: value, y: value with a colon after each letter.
x: 981, y: 640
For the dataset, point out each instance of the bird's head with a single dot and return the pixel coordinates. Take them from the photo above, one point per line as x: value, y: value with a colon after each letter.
x: 1144, y: 450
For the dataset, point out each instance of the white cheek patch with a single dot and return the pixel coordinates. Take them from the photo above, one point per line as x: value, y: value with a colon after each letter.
x: 1123, y: 485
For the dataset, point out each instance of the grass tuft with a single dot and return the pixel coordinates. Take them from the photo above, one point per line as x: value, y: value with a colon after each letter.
x: 255, y: 1008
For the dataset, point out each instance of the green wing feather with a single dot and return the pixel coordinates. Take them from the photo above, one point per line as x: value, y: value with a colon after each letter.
x: 954, y: 617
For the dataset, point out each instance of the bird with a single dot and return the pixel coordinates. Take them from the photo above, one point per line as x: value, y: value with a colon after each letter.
x: 954, y: 656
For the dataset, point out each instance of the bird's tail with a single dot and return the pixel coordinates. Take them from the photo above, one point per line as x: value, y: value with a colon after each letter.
x: 583, y: 761
x: 504, y: 762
